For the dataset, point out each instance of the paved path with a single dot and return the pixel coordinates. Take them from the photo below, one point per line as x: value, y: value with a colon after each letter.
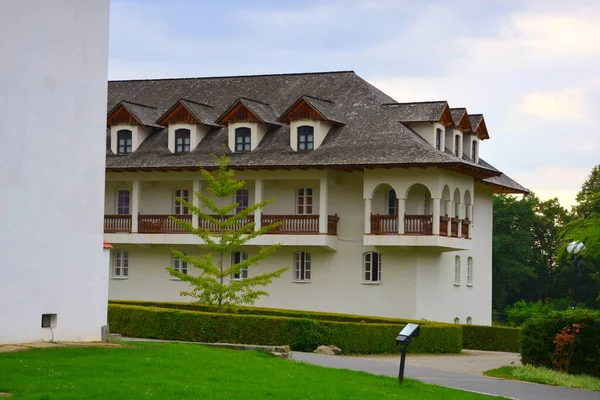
x: 475, y: 382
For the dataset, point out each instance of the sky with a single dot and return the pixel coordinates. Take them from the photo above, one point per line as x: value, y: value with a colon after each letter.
x: 531, y: 67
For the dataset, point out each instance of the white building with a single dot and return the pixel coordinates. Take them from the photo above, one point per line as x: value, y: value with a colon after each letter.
x: 386, y: 207
x: 53, y: 280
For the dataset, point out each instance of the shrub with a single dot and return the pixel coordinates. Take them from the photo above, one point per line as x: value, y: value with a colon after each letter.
x: 523, y: 310
x: 538, y: 335
x: 301, y: 334
x: 491, y: 338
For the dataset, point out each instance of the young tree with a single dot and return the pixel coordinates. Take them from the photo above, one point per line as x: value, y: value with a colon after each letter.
x: 222, y: 234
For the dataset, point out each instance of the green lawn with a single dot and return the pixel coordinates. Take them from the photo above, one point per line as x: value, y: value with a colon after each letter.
x: 184, y: 371
x: 546, y: 376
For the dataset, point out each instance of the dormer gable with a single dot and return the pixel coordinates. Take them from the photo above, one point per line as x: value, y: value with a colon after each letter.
x: 310, y: 120
x: 187, y: 123
x: 247, y: 122
x: 460, y: 117
x: 478, y: 126
x: 130, y: 124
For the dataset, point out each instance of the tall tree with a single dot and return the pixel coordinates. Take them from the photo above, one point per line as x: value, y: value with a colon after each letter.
x: 586, y: 206
x: 224, y: 233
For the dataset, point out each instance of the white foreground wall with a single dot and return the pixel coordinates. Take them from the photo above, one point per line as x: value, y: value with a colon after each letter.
x: 53, y: 88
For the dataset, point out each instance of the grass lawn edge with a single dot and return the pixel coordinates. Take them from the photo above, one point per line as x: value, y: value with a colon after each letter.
x: 545, y: 376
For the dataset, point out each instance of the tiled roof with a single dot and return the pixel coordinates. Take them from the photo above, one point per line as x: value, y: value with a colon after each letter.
x: 372, y: 133
x: 203, y: 112
x: 503, y: 183
x: 147, y: 115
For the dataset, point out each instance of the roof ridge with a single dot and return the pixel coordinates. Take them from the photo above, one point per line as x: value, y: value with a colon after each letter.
x: 137, y: 104
x: 415, y: 102
x: 195, y: 102
x: 459, y: 108
x: 317, y: 98
x: 236, y: 76
x: 256, y: 101
x: 475, y: 115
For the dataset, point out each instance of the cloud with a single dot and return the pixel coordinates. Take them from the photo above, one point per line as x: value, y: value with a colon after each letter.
x: 562, y: 104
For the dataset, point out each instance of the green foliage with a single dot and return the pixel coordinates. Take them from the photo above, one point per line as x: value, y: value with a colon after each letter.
x: 491, y: 338
x: 300, y: 334
x: 523, y: 310
x: 232, y: 231
x: 587, y: 205
x: 538, y: 334
x: 545, y: 376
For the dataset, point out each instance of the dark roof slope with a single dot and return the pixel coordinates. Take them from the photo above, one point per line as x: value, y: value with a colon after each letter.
x: 326, y: 108
x: 261, y: 110
x: 457, y: 114
x: 147, y: 115
x: 503, y: 183
x: 371, y: 135
x: 203, y: 112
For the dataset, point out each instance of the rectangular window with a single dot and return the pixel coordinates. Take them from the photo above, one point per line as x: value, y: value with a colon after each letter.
x: 121, y: 264
x: 392, y: 202
x: 180, y: 265
x: 456, y: 144
x: 306, y: 138
x: 178, y: 208
x: 182, y: 141
x: 438, y: 139
x: 123, y: 202
x: 304, y: 201
x: 470, y: 271
x: 457, y: 270
x: 237, y: 258
x: 242, y: 197
x: 242, y: 139
x: 124, y: 145
x: 372, y: 267
x: 302, y: 266
x: 474, y: 150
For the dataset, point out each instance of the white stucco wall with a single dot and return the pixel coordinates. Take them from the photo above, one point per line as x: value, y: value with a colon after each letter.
x: 53, y: 80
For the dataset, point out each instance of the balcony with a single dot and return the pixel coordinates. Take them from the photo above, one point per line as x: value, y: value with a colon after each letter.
x: 294, y: 230
x: 418, y: 232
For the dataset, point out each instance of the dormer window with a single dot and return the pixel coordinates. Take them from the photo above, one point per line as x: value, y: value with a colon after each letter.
x: 242, y: 140
x: 438, y: 139
x: 306, y: 137
x: 124, y: 143
x: 456, y: 145
x: 182, y: 141
x: 474, y: 151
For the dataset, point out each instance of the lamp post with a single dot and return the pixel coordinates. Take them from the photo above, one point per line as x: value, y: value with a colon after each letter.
x: 402, y: 342
x: 574, y: 248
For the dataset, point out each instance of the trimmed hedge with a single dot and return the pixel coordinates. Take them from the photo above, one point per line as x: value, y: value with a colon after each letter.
x: 301, y: 334
x: 278, y: 312
x: 537, y: 336
x: 491, y: 338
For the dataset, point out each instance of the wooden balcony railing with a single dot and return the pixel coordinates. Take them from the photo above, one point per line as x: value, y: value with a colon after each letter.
x: 117, y: 223
x: 384, y: 224
x: 454, y: 227
x: 292, y: 223
x: 204, y: 224
x: 161, y: 223
x: 444, y: 226
x: 418, y: 224
x: 465, y: 228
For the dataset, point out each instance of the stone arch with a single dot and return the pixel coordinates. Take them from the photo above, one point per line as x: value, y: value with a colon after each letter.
x: 418, y: 200
x: 384, y: 199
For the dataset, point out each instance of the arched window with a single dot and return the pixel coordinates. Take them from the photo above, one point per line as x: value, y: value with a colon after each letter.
x: 438, y: 139
x: 179, y: 265
x: 306, y: 137
x: 124, y: 145
x: 304, y: 201
x: 372, y: 267
x: 242, y: 198
x: 469, y: 321
x: 474, y: 151
x: 242, y: 140
x: 470, y: 271
x: 392, y: 202
x: 302, y: 265
x: 182, y: 141
x: 121, y: 264
x: 237, y: 258
x: 178, y: 208
x: 123, y: 198
x: 457, y: 320
x: 457, y: 270
x: 456, y: 145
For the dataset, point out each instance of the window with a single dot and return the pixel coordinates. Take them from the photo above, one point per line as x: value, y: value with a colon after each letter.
x: 302, y: 266
x: 304, y: 201
x: 392, y: 202
x: 124, y: 141
x: 121, y: 264
x: 179, y: 265
x: 182, y: 141
x: 178, y: 208
x: 241, y: 197
x: 372, y: 267
x: 474, y: 150
x: 242, y: 139
x: 457, y: 320
x: 469, y: 321
x: 306, y: 138
x: 438, y: 139
x: 457, y: 270
x: 123, y: 202
x: 470, y: 271
x: 456, y: 144
x: 237, y: 258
